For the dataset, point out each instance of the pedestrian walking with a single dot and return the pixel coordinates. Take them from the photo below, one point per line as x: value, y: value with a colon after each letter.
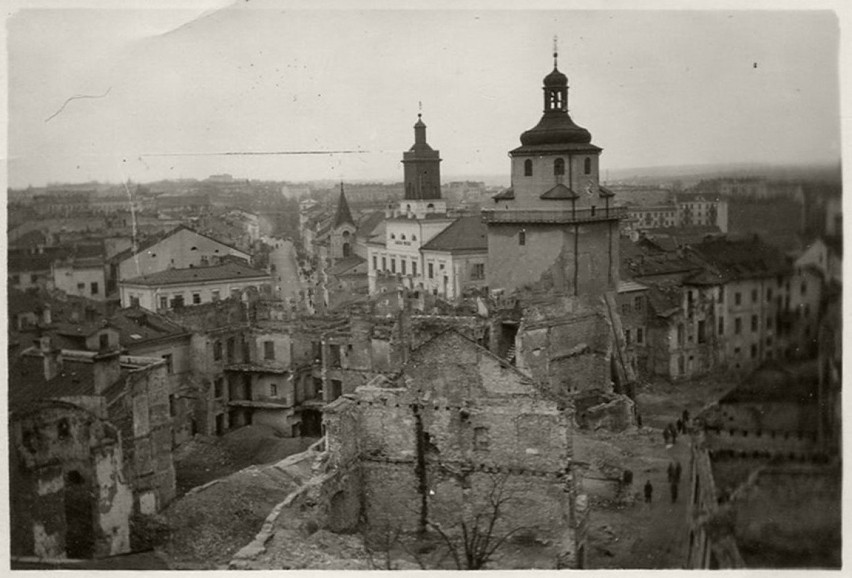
x: 677, y: 471
x: 673, y: 489
x: 673, y: 433
x: 670, y: 472
x: 679, y: 425
x: 667, y: 435
x: 649, y: 491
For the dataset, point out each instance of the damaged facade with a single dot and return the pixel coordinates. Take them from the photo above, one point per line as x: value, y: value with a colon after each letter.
x: 766, y: 479
x: 426, y: 447
x: 90, y: 446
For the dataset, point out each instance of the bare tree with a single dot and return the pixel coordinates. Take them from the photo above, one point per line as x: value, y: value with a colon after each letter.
x: 381, y: 542
x: 475, y: 541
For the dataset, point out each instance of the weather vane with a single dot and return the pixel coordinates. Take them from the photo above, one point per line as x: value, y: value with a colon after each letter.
x: 419, y: 108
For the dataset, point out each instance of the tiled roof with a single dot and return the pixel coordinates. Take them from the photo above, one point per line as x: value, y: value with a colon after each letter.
x: 127, y: 253
x: 27, y: 383
x: 742, y: 259
x: 227, y: 271
x: 25, y: 263
x: 465, y: 234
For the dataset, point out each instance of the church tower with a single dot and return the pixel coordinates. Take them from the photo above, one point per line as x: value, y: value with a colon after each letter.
x: 422, y: 167
x: 422, y: 176
x: 342, y: 233
x: 555, y: 229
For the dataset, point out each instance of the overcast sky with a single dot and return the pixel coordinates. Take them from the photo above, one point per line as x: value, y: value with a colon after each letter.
x: 654, y: 88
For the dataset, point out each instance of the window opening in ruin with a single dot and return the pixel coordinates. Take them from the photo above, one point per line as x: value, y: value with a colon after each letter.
x: 63, y: 429
x: 336, y: 389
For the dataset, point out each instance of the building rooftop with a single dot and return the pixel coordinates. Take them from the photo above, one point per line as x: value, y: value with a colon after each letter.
x: 224, y: 272
x: 742, y: 259
x: 368, y: 224
x: 465, y: 234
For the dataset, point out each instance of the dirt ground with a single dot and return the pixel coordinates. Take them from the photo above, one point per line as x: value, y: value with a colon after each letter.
x: 624, y: 531
x: 207, y: 458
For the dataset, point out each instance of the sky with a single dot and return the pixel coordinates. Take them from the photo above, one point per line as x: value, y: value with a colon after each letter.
x: 166, y: 93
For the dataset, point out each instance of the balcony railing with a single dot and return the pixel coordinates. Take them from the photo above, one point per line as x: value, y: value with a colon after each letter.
x: 580, y: 215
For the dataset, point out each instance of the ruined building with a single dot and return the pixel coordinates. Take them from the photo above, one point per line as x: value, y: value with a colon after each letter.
x: 766, y: 475
x: 90, y: 446
x: 432, y: 445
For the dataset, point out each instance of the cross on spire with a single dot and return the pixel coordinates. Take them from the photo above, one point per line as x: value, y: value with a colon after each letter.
x: 555, y: 49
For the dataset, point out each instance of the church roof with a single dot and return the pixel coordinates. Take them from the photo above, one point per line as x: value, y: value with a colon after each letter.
x: 343, y: 215
x: 556, y: 127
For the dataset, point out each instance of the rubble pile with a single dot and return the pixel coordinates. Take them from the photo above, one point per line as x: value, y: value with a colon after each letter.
x: 210, y: 524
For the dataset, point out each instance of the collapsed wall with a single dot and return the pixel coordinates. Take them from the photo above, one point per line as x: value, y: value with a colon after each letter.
x: 432, y: 451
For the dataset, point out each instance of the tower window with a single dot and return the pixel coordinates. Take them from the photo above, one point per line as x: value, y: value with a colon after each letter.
x: 528, y: 168
x: 522, y: 238
x: 587, y: 166
x: 559, y: 167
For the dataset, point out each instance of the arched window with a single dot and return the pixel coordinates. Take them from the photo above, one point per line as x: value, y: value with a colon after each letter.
x: 522, y: 238
x: 393, y: 236
x: 402, y: 237
x: 559, y: 167
x: 346, y: 250
x: 528, y: 168
x: 587, y: 166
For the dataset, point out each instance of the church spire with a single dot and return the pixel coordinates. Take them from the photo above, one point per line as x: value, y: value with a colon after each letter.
x: 343, y: 215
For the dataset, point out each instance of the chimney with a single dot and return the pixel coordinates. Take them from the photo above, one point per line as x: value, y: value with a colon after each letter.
x: 107, y: 368
x: 52, y: 358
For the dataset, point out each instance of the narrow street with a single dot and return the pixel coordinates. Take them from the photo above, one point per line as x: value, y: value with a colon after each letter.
x: 624, y: 531
x: 285, y: 276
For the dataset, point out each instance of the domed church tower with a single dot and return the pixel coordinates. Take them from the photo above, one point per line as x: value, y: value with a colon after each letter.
x: 555, y: 228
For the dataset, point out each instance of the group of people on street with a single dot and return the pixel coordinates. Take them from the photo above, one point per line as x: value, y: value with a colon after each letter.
x: 681, y: 426
x: 674, y: 471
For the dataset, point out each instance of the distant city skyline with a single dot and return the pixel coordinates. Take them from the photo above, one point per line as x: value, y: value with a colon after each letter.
x: 165, y: 93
